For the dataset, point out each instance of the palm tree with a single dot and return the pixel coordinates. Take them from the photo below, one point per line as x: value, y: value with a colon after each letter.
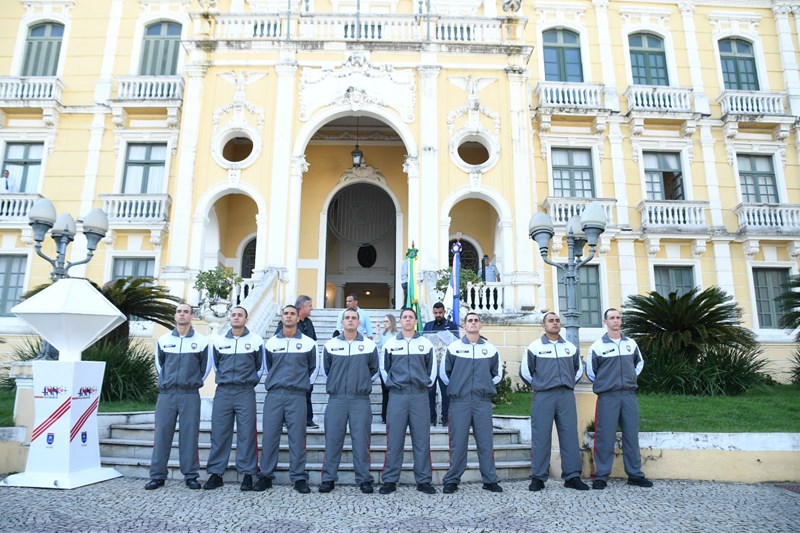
x: 790, y: 304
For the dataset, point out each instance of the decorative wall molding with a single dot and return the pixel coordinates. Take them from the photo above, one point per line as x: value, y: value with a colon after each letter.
x: 733, y: 22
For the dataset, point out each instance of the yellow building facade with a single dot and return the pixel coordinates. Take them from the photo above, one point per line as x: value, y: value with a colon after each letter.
x: 222, y: 132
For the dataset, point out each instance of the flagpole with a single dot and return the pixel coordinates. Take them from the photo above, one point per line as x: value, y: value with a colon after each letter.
x: 455, y: 279
x: 412, y: 301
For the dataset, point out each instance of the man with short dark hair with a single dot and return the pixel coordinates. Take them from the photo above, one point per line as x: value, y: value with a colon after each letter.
x: 471, y: 370
x: 304, y: 307
x: 551, y: 366
x: 439, y: 323
x: 182, y: 364
x: 291, y: 366
x: 238, y: 363
x: 364, y: 325
x: 408, y: 369
x: 350, y: 364
x: 613, y: 365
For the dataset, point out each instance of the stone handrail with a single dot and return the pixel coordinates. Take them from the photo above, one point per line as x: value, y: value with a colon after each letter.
x: 659, y: 98
x: 35, y: 88
x: 485, y: 298
x: 261, y: 300
x: 149, y: 88
x: 141, y: 208
x: 562, y: 209
x: 15, y: 207
x: 752, y: 103
x: 570, y: 95
x: 675, y: 214
x: 769, y: 218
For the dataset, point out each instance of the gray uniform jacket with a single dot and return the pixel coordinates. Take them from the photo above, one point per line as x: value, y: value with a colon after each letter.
x: 408, y: 365
x: 239, y: 361
x: 182, y: 363
x: 471, y: 370
x: 614, y: 366
x: 547, y: 364
x: 291, y: 363
x: 350, y: 366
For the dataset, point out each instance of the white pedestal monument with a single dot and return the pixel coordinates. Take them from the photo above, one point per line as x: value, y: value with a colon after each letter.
x: 65, y: 449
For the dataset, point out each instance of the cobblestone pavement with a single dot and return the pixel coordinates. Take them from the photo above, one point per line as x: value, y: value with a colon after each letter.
x: 123, y: 505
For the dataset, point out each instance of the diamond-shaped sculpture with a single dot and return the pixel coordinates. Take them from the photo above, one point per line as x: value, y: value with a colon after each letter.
x: 71, y: 315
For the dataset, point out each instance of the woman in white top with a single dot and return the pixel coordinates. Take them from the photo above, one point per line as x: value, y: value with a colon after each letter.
x: 389, y: 327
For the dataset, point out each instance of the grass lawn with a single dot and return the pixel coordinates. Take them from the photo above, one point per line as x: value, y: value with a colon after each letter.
x: 6, y: 408
x: 762, y: 410
x: 126, y: 407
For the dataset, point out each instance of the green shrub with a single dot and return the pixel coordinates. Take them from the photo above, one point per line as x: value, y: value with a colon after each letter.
x: 504, y: 389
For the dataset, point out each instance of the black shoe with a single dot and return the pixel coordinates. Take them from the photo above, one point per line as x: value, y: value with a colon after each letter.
x: 312, y: 425
x: 449, y: 488
x: 214, y: 482
x: 247, y: 483
x: 576, y: 483
x: 301, y: 486
x: 388, y: 488
x: 326, y: 486
x: 536, y: 485
x: 154, y: 484
x: 427, y: 488
x: 599, y: 484
x: 492, y: 487
x: 640, y: 482
x: 366, y: 487
x: 193, y: 484
x: 262, y: 484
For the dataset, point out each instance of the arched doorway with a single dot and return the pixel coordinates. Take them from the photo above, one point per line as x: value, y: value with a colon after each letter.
x: 248, y: 263
x: 360, y: 245
x: 469, y: 257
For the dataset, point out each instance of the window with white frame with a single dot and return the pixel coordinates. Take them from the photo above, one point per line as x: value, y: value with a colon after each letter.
x: 12, y: 278
x: 144, y: 169
x: 648, y: 59
x: 160, y: 49
x: 738, y: 65
x: 135, y: 267
x: 757, y: 179
x: 768, y: 284
x: 24, y: 164
x: 663, y: 176
x: 677, y: 279
x: 572, y: 173
x: 588, y: 296
x: 562, y: 56
x: 42, y: 49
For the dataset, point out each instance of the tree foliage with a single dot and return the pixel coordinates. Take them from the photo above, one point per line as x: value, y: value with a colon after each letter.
x: 789, y: 301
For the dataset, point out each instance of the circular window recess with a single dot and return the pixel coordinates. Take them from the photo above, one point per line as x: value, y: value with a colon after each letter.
x: 237, y: 149
x: 367, y: 255
x: 473, y: 152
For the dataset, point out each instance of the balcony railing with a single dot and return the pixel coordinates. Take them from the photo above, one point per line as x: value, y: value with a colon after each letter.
x: 136, y: 208
x: 768, y: 218
x: 570, y: 95
x: 752, y: 103
x: 673, y: 215
x: 562, y: 209
x: 28, y: 89
x: 150, y: 88
x: 15, y: 207
x: 659, y: 99
x: 486, y: 299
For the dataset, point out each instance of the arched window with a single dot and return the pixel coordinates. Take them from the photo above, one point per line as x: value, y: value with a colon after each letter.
x: 648, y: 59
x: 248, y: 259
x: 162, y: 41
x: 562, y: 56
x: 469, y: 255
x: 42, y: 49
x: 738, y: 65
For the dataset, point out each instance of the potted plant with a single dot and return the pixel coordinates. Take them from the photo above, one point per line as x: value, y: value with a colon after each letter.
x: 215, y: 287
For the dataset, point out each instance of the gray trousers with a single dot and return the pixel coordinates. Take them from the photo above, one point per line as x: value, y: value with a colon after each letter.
x: 171, y: 407
x: 407, y: 411
x: 280, y: 407
x: 475, y: 413
x: 338, y: 413
x: 546, y: 407
x: 617, y: 408
x: 239, y: 404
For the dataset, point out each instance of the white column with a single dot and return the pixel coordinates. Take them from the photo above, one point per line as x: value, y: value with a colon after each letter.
x: 628, y: 278
x: 415, y: 197
x: 276, y: 244
x: 299, y: 167
x: 687, y: 8
x: 781, y: 11
x: 426, y: 214
x: 606, y: 54
x: 618, y: 173
x: 525, y: 199
x: 724, y: 266
x: 712, y: 181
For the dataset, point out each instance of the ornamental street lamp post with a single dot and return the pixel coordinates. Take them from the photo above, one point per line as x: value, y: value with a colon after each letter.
x: 581, y: 229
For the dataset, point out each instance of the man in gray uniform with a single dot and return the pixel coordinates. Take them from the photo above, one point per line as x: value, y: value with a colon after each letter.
x: 408, y: 369
x: 238, y: 363
x: 350, y: 363
x: 551, y: 367
x: 613, y: 365
x: 182, y: 364
x: 471, y: 369
x: 291, y: 366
